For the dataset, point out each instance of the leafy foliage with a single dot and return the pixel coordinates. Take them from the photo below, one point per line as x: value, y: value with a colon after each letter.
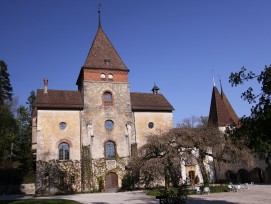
x: 256, y: 128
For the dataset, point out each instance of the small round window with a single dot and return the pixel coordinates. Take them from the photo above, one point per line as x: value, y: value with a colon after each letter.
x: 109, y: 125
x: 62, y: 125
x: 150, y: 125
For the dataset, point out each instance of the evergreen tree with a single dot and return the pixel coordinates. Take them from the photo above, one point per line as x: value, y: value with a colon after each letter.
x: 31, y: 105
x: 23, y: 143
x: 8, y: 134
x: 5, y: 86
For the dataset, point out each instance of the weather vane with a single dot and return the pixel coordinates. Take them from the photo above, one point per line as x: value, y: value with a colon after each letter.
x: 99, y: 13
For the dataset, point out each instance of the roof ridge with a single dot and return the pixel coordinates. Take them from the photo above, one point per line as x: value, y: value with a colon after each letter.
x: 59, y: 90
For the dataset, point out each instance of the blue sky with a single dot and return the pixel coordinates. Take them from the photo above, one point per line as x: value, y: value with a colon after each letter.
x: 174, y: 43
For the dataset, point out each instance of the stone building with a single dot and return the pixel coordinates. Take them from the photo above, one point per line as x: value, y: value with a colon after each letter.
x: 84, y: 138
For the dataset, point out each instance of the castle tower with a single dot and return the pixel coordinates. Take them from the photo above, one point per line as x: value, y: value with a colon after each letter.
x: 221, y: 112
x: 107, y: 126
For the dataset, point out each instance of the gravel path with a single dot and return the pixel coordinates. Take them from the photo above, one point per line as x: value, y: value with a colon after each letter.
x: 256, y: 194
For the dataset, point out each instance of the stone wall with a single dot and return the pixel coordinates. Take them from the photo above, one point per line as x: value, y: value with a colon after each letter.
x: 56, y: 176
x: 95, y: 113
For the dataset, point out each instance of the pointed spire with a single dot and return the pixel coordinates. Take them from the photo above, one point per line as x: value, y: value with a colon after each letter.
x: 103, y: 55
x: 99, y: 14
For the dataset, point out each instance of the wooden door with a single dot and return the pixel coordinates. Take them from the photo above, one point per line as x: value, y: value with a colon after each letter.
x: 111, y: 180
x: 192, y: 177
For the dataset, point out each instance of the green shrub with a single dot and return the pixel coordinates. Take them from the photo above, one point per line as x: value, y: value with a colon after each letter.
x: 127, y: 182
x: 218, y: 189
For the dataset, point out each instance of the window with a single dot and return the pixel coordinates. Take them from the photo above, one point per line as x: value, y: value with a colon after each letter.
x: 110, y: 77
x: 110, y: 150
x: 150, y: 125
x: 102, y: 76
x: 64, y: 151
x: 107, y: 99
x: 62, y: 125
x: 109, y: 125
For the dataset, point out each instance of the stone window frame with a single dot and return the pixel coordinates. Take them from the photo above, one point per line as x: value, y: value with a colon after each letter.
x: 107, y: 103
x: 70, y: 148
x: 110, y: 157
x: 63, y: 151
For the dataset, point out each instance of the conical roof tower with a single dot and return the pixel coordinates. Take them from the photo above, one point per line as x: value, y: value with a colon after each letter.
x: 103, y: 61
x: 221, y: 112
x: 103, y: 55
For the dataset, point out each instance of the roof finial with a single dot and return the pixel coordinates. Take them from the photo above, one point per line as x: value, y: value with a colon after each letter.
x: 155, y: 89
x: 213, y: 77
x: 99, y: 13
x: 220, y: 84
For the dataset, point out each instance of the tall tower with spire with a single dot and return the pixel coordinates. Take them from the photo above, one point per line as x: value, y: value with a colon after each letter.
x: 103, y: 83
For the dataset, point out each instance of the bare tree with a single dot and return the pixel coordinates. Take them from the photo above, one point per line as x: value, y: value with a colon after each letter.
x: 160, y: 158
x: 193, y: 122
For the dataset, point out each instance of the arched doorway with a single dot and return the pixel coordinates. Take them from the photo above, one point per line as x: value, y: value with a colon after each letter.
x: 230, y: 176
x: 111, y: 181
x: 191, y: 175
x: 243, y: 176
x: 257, y: 175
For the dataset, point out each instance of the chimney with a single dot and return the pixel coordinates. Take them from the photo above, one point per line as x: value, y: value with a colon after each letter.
x: 45, y: 85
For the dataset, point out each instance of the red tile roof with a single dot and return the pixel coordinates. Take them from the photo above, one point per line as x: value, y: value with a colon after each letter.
x: 150, y: 102
x: 58, y: 99
x: 102, y: 54
x: 221, y: 112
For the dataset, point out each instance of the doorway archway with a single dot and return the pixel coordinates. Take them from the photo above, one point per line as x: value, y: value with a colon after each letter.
x: 111, y: 181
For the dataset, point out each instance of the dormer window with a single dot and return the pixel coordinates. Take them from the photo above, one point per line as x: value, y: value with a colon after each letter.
x: 110, y: 77
x: 107, y: 62
x: 103, y: 76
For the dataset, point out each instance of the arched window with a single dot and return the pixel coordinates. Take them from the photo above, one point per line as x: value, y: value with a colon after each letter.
x: 110, y: 77
x: 108, y: 99
x: 110, y: 151
x: 102, y: 76
x: 64, y: 151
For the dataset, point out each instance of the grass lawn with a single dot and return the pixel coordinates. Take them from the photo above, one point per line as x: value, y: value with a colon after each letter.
x: 39, y: 201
